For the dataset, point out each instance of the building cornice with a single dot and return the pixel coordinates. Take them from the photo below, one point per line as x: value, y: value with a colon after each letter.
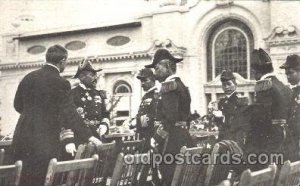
x: 77, y: 30
x: 74, y: 61
x: 168, y: 44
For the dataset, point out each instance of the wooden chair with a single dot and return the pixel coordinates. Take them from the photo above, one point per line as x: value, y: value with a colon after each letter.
x: 187, y: 174
x: 218, y: 171
x: 289, y: 174
x: 211, y: 169
x: 2, y: 153
x: 132, y: 147
x: 129, y: 174
x: 10, y: 174
x: 264, y: 177
x: 72, y: 172
x: 105, y: 152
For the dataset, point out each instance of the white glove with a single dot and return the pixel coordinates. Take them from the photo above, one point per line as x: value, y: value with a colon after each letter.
x: 153, y: 142
x: 106, y: 120
x: 102, y: 129
x: 71, y: 148
x: 95, y: 141
x: 218, y: 113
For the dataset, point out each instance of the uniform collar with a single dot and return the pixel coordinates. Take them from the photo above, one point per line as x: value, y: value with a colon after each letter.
x: 156, y: 87
x: 173, y: 76
x: 267, y: 75
x: 49, y: 64
x: 230, y: 95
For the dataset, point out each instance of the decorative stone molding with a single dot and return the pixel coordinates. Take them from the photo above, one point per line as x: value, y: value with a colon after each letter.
x: 283, y: 36
x: 224, y: 3
x: 175, y: 50
x: 167, y: 44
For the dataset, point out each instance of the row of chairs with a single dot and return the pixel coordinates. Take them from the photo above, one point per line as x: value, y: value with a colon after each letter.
x: 288, y: 175
x: 92, y: 165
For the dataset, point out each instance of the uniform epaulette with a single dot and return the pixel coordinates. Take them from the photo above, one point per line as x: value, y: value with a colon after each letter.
x: 263, y: 85
x: 102, y: 94
x: 243, y: 101
x: 168, y: 86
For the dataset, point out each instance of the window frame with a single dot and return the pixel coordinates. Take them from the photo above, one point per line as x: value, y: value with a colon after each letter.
x: 213, y: 49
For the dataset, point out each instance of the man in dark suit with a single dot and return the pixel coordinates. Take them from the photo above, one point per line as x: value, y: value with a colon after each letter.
x: 269, y: 131
x: 89, y: 101
x: 45, y: 107
x: 231, y: 120
x: 149, y: 109
x: 175, y: 105
x: 292, y: 71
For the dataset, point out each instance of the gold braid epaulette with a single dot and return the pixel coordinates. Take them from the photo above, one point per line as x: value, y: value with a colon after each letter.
x: 168, y: 86
x: 263, y: 85
x: 66, y: 133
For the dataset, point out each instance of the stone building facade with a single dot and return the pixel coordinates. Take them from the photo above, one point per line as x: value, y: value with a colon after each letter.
x: 210, y: 35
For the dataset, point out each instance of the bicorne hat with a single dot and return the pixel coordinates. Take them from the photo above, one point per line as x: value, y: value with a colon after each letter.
x: 162, y: 54
x: 85, y: 65
x: 292, y: 61
x: 259, y: 59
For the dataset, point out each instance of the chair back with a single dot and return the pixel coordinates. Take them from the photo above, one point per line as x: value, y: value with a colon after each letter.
x: 262, y: 177
x: 128, y: 173
x: 10, y: 174
x: 289, y: 174
x: 188, y: 173
x: 105, y: 153
x: 72, y: 172
x: 217, y: 170
x: 2, y: 153
x: 132, y: 147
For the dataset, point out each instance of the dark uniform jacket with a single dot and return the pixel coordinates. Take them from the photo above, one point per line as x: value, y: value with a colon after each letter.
x: 236, y: 123
x: 294, y: 115
x: 43, y: 100
x: 175, y: 107
x: 90, y: 104
x: 269, y: 131
x: 148, y: 112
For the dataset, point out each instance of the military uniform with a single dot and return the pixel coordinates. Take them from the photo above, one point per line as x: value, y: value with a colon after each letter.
x: 148, y: 113
x: 235, y: 126
x: 294, y: 114
x: 272, y: 98
x: 269, y: 131
x: 45, y: 106
x: 175, y: 112
x: 293, y: 62
x: 91, y: 107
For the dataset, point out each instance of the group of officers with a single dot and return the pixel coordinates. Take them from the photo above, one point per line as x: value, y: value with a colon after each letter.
x: 269, y: 125
x: 55, y: 119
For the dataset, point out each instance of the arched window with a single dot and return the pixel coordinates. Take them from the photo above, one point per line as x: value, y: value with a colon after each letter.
x: 229, y: 47
x: 122, y: 87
